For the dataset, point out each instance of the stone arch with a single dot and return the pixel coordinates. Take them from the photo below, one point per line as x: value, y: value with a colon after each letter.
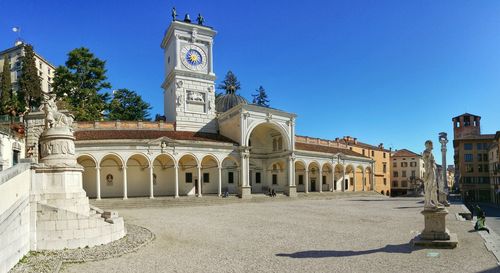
x: 276, y: 175
x: 349, y: 177
x: 138, y: 183
x: 273, y: 125
x: 112, y: 175
x: 359, y: 177
x: 314, y: 170
x: 164, y: 174
x: 300, y: 171
x: 89, y: 175
x: 368, y: 183
x: 327, y: 176
x: 209, y: 174
x: 230, y: 175
x: 188, y: 174
x: 338, y: 176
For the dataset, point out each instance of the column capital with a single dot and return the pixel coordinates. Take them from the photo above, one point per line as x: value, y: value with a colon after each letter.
x: 97, y: 167
x: 124, y: 167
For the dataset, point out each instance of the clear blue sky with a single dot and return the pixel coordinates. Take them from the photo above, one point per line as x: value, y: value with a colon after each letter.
x: 383, y: 71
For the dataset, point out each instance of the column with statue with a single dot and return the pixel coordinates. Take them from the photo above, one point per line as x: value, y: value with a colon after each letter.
x: 443, y: 185
x: 435, y: 233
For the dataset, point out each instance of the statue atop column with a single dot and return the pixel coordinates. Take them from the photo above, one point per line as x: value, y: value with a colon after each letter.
x: 174, y: 14
x: 200, y: 19
x: 430, y: 178
x: 54, y: 118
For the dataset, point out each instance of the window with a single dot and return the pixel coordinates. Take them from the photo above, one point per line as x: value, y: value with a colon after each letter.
x: 385, y: 181
x: 404, y: 164
x: 206, y: 178
x: 479, y: 146
x: 301, y: 179
x: 469, y: 168
x: 230, y: 177
x: 394, y: 164
x: 413, y: 164
x: 384, y: 155
x: 373, y: 153
x: 257, y: 178
x: 384, y: 168
x: 467, y: 146
x: 395, y: 174
x: 275, y: 179
x: 324, y: 180
x: 403, y: 174
x: 363, y: 151
x: 486, y: 168
x: 395, y: 184
x: 468, y: 157
x: 485, y: 157
x: 413, y: 174
x: 189, y: 177
x: 404, y: 184
x: 480, y: 168
x: 480, y: 157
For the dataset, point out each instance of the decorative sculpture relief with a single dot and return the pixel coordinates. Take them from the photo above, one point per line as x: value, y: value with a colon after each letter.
x: 179, y: 84
x: 180, y: 99
x: 195, y: 96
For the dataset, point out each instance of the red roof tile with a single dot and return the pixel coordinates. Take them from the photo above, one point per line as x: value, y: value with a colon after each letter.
x: 149, y: 134
x: 405, y: 153
x: 325, y: 149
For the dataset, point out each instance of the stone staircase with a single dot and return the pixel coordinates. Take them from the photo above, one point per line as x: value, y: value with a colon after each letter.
x: 57, y: 228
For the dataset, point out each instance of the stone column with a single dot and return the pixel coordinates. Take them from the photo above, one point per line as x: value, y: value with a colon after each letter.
x: 306, y: 176
x: 354, y: 179
x: 210, y: 59
x: 443, y: 187
x: 320, y: 172
x: 219, y: 189
x: 363, y: 179
x: 98, y: 182
x: 245, y: 190
x: 292, y: 190
x: 151, y: 185
x: 125, y: 195
x: 333, y: 179
x: 343, y: 178
x: 176, y: 181
x: 199, y: 181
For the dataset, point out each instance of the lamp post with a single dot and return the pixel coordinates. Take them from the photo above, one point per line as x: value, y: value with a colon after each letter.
x: 443, y: 188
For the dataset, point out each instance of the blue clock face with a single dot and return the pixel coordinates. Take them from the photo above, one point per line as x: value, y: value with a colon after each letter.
x: 193, y: 57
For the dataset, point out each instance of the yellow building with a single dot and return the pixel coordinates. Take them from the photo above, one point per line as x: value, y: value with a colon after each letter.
x: 382, y: 166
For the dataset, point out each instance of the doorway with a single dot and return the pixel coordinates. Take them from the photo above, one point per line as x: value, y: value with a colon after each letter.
x: 313, y: 185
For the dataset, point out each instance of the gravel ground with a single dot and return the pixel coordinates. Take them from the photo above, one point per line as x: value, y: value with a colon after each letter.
x: 355, y: 234
x: 50, y: 261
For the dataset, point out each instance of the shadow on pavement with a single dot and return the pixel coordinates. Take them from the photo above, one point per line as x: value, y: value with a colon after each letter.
x: 491, y: 270
x: 408, y: 207
x: 402, y: 249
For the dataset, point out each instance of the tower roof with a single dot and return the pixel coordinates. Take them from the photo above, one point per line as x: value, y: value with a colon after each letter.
x: 466, y: 115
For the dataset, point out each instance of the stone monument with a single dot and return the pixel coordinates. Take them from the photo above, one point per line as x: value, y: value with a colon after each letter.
x: 435, y: 233
x: 443, y: 185
x: 60, y: 206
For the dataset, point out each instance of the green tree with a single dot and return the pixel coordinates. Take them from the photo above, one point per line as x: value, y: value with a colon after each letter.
x: 128, y: 105
x: 5, y: 87
x: 29, y: 93
x: 79, y: 82
x: 261, y: 97
x: 230, y: 83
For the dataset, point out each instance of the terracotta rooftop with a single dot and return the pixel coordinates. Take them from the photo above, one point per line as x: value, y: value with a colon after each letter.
x: 149, y: 134
x: 325, y: 149
x: 405, y: 153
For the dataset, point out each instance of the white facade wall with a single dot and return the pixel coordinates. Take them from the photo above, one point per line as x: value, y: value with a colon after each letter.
x: 15, y: 222
x: 8, y: 146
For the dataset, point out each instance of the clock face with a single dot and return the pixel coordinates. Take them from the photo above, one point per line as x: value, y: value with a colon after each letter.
x: 193, y: 57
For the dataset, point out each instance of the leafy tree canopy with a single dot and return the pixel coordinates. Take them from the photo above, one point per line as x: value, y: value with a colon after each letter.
x: 260, y: 98
x: 30, y: 89
x: 128, y: 105
x: 79, y: 82
x: 230, y: 83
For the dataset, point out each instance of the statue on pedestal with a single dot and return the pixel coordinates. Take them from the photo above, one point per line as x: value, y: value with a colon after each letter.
x: 430, y: 178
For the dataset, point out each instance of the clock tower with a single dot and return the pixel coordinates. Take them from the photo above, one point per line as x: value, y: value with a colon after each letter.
x: 188, y: 87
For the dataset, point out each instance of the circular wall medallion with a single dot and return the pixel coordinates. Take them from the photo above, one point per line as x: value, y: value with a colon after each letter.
x: 193, y: 57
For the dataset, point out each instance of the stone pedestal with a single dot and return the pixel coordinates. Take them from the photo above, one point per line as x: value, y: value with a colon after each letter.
x: 291, y: 191
x: 245, y: 192
x: 435, y: 233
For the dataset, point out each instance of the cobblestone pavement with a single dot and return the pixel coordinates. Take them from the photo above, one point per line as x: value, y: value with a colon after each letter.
x: 351, y: 234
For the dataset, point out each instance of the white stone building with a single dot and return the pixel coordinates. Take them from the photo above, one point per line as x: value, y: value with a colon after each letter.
x: 12, y: 147
x: 407, y: 171
x: 45, y: 69
x: 208, y: 146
